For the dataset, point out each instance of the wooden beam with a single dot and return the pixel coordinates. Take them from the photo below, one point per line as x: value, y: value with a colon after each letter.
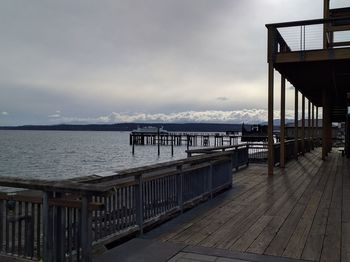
x: 270, y: 120
x: 337, y: 28
x: 313, y: 55
x: 283, y: 123
x: 296, y: 148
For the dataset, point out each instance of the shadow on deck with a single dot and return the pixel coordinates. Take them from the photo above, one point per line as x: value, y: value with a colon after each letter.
x: 301, y: 213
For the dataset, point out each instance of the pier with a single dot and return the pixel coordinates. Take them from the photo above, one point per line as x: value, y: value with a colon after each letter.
x: 183, y: 139
x: 70, y: 220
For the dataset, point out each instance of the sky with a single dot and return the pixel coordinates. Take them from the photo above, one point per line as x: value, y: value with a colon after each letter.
x: 110, y: 61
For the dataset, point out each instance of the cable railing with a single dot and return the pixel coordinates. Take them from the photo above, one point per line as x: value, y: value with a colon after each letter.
x: 308, y: 35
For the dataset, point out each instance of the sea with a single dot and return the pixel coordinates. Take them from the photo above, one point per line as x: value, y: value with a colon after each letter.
x: 57, y: 155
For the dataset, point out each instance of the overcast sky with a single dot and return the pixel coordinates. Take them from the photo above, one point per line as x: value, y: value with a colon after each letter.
x: 126, y: 60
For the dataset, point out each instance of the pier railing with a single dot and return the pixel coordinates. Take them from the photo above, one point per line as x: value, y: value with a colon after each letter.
x: 62, y: 220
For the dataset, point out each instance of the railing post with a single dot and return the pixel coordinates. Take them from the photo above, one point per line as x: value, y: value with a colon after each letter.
x: 86, y: 229
x: 236, y: 159
x: 59, y: 232
x: 47, y: 229
x: 179, y: 187
x: 210, y: 180
x: 139, y: 202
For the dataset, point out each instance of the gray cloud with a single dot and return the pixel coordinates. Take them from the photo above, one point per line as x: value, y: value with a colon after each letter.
x: 88, y: 58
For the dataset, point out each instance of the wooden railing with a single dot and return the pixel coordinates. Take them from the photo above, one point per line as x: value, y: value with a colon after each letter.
x: 62, y: 220
x: 257, y: 152
x: 239, y: 153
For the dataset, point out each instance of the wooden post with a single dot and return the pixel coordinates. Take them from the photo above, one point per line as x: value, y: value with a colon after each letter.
x: 296, y: 147
x: 210, y: 180
x: 316, y: 125
x: 139, y: 202
x: 133, y: 145
x: 179, y: 187
x: 283, y: 122
x: 272, y: 50
x: 158, y: 142
x: 270, y: 120
x: 86, y: 229
x: 59, y: 232
x: 47, y: 229
x: 172, y: 145
x: 329, y: 126
x: 303, y: 124
x: 324, y: 124
x: 309, y: 125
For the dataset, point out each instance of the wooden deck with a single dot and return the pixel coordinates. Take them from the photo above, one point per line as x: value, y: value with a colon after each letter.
x: 302, y: 212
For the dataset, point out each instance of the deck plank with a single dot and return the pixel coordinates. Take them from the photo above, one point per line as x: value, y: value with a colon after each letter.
x: 331, y: 250
x: 297, y: 241
x: 314, y: 242
x: 280, y: 241
x: 272, y: 196
x: 263, y: 241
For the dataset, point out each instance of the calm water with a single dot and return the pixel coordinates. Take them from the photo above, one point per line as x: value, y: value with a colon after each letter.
x: 67, y: 154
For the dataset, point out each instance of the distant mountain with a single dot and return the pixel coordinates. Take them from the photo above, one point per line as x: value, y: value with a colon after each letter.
x: 172, y: 127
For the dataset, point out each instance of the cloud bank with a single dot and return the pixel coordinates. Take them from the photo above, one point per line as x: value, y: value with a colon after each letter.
x: 251, y: 116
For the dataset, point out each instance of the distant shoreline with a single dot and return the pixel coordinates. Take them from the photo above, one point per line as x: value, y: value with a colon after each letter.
x: 171, y: 127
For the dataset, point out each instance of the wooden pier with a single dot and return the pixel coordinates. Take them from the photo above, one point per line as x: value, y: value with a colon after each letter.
x: 184, y: 139
x: 68, y: 219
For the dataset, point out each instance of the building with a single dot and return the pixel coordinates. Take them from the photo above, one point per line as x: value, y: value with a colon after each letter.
x: 314, y: 56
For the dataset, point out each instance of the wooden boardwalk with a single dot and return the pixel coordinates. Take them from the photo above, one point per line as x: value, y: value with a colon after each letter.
x: 302, y: 212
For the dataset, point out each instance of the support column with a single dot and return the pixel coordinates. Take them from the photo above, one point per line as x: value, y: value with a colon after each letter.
x: 316, y: 125
x: 329, y: 128
x: 270, y: 121
x: 324, y: 125
x: 309, y: 125
x: 347, y: 128
x: 313, y: 126
x: 296, y: 147
x: 303, y: 124
x: 283, y: 123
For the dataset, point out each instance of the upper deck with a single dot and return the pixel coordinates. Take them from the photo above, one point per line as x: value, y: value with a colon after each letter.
x: 314, y: 55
